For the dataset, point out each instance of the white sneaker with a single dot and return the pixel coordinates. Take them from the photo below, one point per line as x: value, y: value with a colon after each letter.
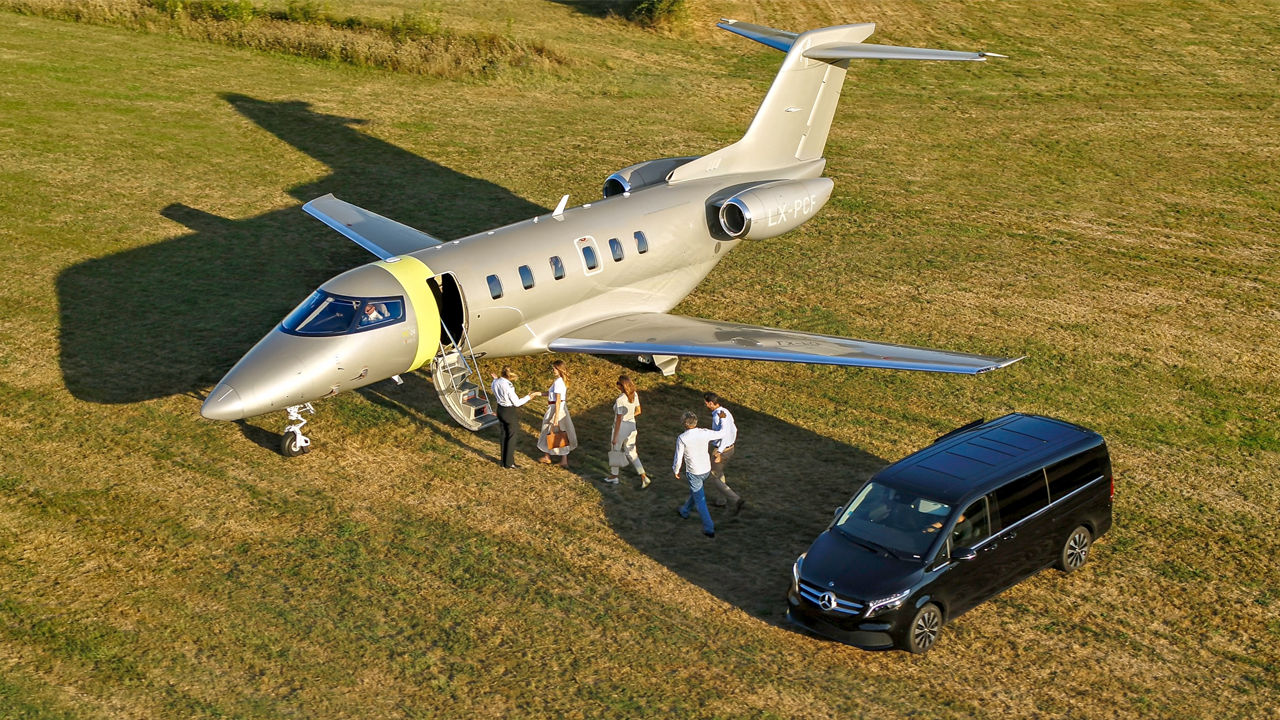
x: 611, y: 480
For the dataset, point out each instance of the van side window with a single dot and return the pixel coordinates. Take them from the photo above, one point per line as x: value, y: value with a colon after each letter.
x: 1075, y: 472
x: 615, y: 247
x: 1022, y: 498
x: 495, y: 286
x: 557, y: 267
x: 642, y: 243
x: 974, y: 525
x: 526, y: 277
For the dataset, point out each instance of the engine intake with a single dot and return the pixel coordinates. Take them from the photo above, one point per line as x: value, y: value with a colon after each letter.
x: 769, y: 210
x: 652, y: 172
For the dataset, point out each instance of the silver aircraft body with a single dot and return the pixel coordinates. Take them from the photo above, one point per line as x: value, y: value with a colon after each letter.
x: 599, y: 278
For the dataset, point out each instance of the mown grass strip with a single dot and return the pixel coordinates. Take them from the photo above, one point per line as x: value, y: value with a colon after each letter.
x: 415, y: 42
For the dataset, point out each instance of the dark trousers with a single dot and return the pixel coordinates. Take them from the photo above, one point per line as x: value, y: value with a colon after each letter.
x: 508, y: 425
x: 716, y: 480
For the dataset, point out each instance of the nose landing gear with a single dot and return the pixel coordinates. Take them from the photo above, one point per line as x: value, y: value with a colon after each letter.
x: 294, y: 443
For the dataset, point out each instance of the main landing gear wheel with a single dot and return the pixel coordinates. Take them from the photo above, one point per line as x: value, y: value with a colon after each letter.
x: 924, y: 629
x: 294, y: 443
x: 1075, y: 550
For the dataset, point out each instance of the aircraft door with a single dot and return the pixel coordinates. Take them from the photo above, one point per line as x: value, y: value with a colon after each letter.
x: 453, y: 307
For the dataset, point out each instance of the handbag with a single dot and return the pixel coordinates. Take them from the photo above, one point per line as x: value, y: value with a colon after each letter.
x: 557, y: 439
x: 617, y: 459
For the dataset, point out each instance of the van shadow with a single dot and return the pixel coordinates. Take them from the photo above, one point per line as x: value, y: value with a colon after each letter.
x: 791, y: 478
x: 174, y: 316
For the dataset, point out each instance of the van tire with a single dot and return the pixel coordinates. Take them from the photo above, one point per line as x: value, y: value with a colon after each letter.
x: 925, y: 627
x: 1075, y: 551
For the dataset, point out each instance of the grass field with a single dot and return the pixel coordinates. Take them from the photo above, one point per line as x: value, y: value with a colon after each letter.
x: 1105, y: 201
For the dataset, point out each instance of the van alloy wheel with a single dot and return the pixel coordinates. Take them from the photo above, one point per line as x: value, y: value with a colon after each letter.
x: 925, y: 629
x: 1076, y: 550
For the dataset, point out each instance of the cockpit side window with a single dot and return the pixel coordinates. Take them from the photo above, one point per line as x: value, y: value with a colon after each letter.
x: 323, y: 314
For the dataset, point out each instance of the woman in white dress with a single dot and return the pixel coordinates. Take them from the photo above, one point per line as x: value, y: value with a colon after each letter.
x: 558, y: 437
x: 622, y: 447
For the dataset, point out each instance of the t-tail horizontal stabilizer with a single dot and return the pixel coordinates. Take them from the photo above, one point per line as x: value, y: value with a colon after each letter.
x: 659, y: 334
x: 837, y: 51
x: 380, y: 236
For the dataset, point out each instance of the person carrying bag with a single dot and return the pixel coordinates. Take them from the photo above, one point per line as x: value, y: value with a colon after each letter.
x: 622, y: 445
x: 558, y: 436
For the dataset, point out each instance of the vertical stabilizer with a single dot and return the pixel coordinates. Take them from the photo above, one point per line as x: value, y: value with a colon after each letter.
x: 792, y: 124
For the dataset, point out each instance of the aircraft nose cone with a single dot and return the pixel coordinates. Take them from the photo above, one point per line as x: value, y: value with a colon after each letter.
x: 223, y: 403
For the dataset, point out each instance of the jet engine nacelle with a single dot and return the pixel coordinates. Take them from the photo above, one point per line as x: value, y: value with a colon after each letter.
x: 652, y: 172
x: 771, y: 209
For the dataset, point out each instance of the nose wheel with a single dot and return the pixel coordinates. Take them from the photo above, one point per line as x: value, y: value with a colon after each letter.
x: 294, y: 443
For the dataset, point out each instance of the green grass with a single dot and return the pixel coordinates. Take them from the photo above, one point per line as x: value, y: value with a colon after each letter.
x: 1104, y: 201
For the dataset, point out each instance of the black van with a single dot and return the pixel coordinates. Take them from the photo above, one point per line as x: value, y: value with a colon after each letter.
x: 934, y: 534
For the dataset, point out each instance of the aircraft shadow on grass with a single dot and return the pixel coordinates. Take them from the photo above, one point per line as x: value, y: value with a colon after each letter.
x: 173, y: 317
x: 792, y: 479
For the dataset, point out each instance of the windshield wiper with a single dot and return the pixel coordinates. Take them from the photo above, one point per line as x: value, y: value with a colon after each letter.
x: 874, y: 547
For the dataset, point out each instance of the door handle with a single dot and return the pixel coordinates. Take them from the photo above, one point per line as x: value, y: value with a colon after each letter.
x: 990, y: 547
x: 1010, y: 536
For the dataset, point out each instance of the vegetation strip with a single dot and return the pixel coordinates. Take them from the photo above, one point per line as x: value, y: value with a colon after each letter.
x: 414, y: 42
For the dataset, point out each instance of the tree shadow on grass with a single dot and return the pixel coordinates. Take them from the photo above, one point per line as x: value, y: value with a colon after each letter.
x: 174, y: 316
x: 792, y: 479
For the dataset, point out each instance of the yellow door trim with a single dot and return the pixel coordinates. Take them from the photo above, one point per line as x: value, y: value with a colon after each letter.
x: 413, y: 274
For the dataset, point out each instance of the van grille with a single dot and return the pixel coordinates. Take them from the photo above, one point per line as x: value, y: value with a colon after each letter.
x: 814, y: 594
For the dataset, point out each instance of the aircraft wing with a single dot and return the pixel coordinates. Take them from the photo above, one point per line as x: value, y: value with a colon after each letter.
x: 659, y: 334
x: 380, y: 236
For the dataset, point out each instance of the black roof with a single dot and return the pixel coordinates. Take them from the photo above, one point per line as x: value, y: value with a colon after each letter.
x: 976, y: 461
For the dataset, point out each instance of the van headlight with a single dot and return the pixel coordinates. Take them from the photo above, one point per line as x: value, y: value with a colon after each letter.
x: 893, y: 602
x: 795, y: 572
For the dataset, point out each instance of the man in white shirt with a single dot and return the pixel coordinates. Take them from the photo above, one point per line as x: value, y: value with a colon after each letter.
x: 504, y: 394
x: 722, y: 453
x: 692, y: 451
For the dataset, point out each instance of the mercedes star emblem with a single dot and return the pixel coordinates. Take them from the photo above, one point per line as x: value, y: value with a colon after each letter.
x: 827, y: 601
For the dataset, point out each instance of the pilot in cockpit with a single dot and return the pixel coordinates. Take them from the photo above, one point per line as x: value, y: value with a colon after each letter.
x: 373, y: 312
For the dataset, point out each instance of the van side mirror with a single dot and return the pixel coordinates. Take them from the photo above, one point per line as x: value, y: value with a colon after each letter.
x: 964, y: 553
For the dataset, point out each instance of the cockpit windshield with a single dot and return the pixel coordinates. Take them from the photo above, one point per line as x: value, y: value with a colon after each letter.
x: 326, y: 314
x: 903, y: 522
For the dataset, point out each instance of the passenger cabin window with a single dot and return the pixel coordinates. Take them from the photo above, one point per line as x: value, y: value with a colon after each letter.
x: 495, y: 286
x: 1075, y: 472
x: 326, y: 314
x: 526, y: 276
x: 590, y: 255
x: 642, y: 243
x: 1022, y: 498
x: 973, y: 526
x: 557, y: 267
x: 615, y: 247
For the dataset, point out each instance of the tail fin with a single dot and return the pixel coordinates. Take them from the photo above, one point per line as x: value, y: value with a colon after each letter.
x: 792, y: 124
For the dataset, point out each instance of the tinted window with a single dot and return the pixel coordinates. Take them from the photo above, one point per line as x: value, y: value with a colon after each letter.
x: 973, y: 526
x: 325, y: 314
x: 557, y: 267
x: 901, y: 521
x: 495, y: 286
x: 1021, y: 498
x: 589, y: 255
x: 379, y: 312
x: 526, y: 276
x: 1075, y: 472
x: 615, y: 247
x: 642, y: 243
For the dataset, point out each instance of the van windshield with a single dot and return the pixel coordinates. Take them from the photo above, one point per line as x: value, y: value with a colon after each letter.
x: 903, y: 522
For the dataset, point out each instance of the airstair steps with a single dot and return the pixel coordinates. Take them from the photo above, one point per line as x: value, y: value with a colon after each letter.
x: 456, y: 376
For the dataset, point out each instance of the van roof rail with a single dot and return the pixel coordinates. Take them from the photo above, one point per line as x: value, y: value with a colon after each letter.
x: 962, y: 428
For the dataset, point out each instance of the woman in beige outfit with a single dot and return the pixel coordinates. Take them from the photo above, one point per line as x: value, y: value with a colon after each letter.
x: 622, y: 447
x: 557, y: 426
